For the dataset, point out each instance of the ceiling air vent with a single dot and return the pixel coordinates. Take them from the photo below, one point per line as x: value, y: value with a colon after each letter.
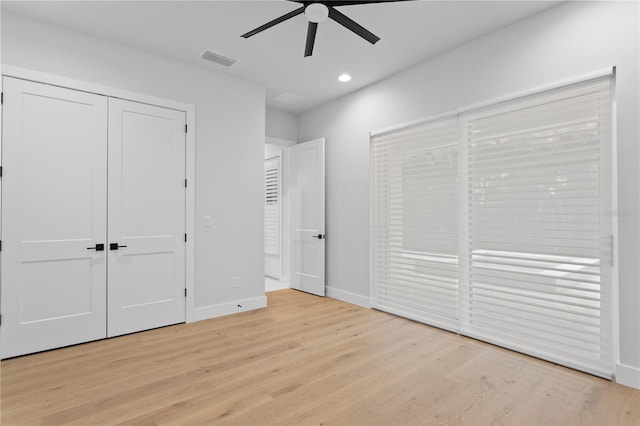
x: 287, y: 98
x: 218, y: 58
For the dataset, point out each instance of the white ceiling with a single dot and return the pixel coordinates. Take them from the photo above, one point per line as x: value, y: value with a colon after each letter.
x: 410, y: 33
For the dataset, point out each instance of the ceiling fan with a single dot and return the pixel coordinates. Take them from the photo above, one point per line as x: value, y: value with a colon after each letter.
x: 319, y: 11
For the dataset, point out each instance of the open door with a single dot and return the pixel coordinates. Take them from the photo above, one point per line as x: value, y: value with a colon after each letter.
x: 307, y: 217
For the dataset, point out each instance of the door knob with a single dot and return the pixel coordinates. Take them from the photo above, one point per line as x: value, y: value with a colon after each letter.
x: 319, y: 236
x: 98, y: 247
x: 115, y: 246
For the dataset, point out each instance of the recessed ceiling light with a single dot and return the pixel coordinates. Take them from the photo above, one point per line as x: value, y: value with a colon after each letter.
x: 344, y: 78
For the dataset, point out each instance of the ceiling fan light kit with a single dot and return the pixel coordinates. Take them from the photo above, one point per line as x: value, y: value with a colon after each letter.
x: 317, y: 12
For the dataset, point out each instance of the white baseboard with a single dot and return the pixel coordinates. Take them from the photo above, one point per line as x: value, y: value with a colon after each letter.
x: 214, y: 311
x: 628, y: 376
x: 347, y: 296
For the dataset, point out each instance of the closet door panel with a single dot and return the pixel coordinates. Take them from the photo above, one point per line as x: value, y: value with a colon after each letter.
x: 146, y: 217
x: 54, y: 213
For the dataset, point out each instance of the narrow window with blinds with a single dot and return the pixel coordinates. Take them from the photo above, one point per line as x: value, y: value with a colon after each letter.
x: 415, y: 252
x: 272, y: 207
x: 523, y: 258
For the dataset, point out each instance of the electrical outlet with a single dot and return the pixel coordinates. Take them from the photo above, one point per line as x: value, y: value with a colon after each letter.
x: 234, y: 282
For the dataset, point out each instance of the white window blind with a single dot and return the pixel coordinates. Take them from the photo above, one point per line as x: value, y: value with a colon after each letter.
x: 272, y: 207
x: 523, y: 259
x: 415, y: 251
x: 538, y: 237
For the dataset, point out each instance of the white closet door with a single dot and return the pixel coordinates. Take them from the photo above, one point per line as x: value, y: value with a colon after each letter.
x: 54, y: 212
x: 146, y: 217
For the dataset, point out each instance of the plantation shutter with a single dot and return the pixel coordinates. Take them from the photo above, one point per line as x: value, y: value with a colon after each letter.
x: 272, y: 207
x: 414, y: 215
x: 539, y: 237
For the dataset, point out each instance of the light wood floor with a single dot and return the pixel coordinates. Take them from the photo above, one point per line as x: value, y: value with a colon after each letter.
x: 303, y: 360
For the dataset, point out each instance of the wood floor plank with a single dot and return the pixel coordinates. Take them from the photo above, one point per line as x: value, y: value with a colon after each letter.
x: 303, y: 360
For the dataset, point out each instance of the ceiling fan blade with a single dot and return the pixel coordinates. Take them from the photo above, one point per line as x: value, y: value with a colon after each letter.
x: 346, y: 2
x: 356, y: 2
x: 350, y: 24
x: 274, y: 22
x: 311, y: 38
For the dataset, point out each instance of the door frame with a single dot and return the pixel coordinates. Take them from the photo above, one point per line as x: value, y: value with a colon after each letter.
x: 190, y: 159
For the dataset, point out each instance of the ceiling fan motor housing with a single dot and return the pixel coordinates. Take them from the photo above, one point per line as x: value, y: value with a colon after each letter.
x: 316, y: 12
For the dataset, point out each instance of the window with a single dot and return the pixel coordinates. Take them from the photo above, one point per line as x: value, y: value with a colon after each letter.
x: 414, y: 218
x: 272, y: 206
x: 523, y: 259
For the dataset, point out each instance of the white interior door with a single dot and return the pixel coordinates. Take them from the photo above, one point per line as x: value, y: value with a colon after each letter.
x: 146, y: 217
x: 307, y: 217
x: 54, y: 215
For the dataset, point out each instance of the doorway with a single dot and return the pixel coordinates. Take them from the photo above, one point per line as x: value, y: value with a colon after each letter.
x: 294, y: 243
x: 276, y: 217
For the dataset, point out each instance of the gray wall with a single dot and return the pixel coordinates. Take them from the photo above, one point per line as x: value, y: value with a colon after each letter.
x: 281, y: 125
x: 566, y: 41
x: 229, y: 130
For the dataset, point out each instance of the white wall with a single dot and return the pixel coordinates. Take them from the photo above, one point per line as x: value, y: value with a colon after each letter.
x: 230, y: 127
x: 563, y: 42
x: 281, y: 125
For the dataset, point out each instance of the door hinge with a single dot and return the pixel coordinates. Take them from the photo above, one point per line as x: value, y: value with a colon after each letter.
x: 0, y: 319
x: 185, y: 181
x: 2, y: 98
x: 186, y: 126
x: 185, y: 292
x: 185, y: 238
x: 0, y: 171
x: 0, y: 245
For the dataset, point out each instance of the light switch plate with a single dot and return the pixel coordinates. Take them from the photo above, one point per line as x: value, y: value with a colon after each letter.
x: 208, y: 223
